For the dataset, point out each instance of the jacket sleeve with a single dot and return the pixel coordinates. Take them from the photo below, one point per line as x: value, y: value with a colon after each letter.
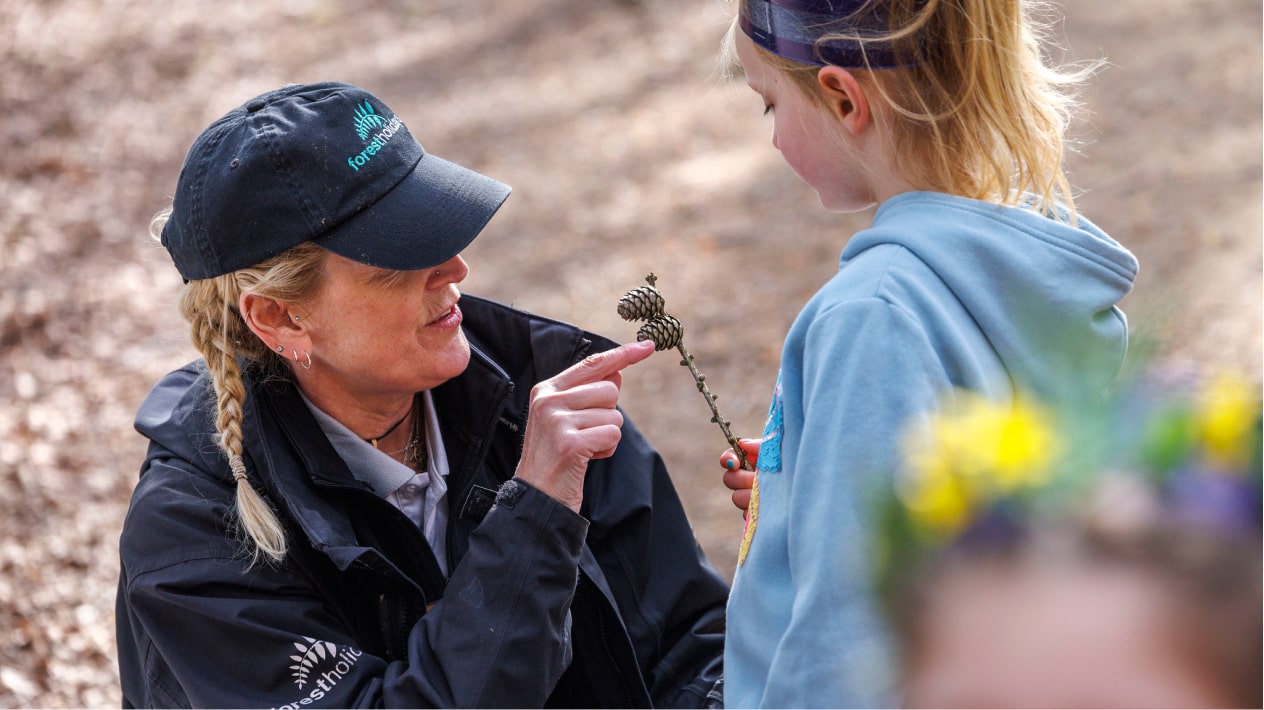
x: 199, y: 625
x: 671, y: 599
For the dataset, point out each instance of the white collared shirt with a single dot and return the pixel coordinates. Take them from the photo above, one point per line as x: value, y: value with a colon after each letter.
x: 421, y: 495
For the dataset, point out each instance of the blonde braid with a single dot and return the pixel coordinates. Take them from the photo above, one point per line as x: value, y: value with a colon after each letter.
x: 214, y: 338
x: 220, y: 334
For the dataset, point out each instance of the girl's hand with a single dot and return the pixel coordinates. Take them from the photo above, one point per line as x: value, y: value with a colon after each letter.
x: 737, y: 479
x: 572, y: 420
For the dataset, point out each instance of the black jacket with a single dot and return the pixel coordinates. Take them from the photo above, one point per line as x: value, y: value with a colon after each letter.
x: 616, y: 606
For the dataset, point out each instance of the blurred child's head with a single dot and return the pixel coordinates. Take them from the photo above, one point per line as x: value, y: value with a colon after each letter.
x: 1158, y: 618
x: 958, y: 89
x: 1132, y: 582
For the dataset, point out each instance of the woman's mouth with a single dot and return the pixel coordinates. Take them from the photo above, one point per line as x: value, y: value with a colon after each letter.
x: 450, y: 319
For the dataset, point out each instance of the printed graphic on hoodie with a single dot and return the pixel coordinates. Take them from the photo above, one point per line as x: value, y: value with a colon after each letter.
x: 770, y: 445
x: 769, y: 462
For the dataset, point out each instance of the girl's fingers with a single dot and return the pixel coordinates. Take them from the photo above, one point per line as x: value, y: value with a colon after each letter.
x: 739, y: 480
x: 730, y: 461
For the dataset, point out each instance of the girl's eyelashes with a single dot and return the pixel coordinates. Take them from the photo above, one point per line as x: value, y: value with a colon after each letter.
x: 767, y: 109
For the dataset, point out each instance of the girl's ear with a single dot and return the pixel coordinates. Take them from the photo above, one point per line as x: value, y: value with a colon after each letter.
x: 273, y: 322
x: 845, y: 98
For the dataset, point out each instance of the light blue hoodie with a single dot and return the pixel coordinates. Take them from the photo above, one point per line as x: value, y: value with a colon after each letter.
x: 940, y: 292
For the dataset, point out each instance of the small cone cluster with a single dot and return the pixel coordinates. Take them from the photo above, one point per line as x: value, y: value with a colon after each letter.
x: 647, y: 304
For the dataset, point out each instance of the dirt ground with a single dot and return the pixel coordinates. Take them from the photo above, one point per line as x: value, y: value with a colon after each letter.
x: 628, y: 154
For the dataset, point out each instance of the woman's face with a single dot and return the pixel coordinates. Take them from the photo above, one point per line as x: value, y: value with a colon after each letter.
x: 380, y: 335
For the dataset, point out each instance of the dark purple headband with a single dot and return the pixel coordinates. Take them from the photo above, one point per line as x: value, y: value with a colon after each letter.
x: 793, y: 29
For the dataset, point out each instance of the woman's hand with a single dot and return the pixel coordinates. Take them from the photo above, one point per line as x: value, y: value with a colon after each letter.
x: 737, y: 479
x: 573, y: 420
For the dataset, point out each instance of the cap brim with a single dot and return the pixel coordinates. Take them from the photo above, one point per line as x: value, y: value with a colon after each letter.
x: 425, y: 220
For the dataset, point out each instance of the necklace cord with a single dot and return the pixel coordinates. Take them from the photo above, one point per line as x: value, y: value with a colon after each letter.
x: 375, y: 439
x: 415, y: 450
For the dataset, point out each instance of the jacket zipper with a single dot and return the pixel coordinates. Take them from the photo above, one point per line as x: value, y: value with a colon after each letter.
x: 472, y: 465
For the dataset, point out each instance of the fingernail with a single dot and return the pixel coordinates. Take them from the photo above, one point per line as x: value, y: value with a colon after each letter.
x: 730, y: 464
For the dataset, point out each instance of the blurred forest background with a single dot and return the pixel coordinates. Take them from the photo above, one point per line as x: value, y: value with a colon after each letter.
x: 629, y: 153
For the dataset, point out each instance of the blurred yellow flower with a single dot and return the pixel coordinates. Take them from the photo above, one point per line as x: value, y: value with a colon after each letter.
x: 1027, y: 446
x: 1227, y: 412
x: 936, y: 498
x: 1001, y: 466
x: 972, y: 451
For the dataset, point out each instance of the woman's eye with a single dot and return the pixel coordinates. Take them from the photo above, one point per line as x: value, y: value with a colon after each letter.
x: 767, y: 109
x: 388, y: 278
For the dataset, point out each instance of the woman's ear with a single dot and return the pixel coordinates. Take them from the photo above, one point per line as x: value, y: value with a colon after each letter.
x: 273, y: 322
x: 845, y: 98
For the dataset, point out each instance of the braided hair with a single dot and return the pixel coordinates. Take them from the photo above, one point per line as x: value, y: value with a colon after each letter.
x: 220, y: 334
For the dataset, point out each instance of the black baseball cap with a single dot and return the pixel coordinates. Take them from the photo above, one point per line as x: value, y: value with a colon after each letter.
x: 328, y: 163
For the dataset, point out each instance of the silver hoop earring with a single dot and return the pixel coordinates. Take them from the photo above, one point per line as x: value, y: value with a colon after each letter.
x: 307, y: 356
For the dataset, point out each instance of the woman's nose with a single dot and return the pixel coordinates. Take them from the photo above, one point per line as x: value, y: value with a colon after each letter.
x: 452, y: 271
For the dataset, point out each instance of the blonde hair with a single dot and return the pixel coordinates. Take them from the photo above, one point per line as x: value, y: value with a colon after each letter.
x: 973, y: 106
x: 220, y: 334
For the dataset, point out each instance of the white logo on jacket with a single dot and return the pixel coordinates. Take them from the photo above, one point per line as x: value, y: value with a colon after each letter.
x: 322, y: 664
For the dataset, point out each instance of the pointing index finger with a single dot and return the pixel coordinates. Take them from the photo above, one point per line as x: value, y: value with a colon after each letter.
x: 595, y: 368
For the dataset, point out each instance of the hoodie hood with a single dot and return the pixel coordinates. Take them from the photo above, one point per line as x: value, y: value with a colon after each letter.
x: 1042, y: 290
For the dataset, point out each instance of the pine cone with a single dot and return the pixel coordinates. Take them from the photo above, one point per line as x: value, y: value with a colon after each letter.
x: 641, y: 303
x: 665, y: 330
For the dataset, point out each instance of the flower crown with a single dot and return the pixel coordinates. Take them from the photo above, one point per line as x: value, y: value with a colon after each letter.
x: 979, y: 470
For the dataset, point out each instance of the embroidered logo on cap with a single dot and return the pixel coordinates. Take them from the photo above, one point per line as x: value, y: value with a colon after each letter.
x: 365, y: 120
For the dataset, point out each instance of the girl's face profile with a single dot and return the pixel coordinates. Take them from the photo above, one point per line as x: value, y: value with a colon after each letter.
x: 807, y: 135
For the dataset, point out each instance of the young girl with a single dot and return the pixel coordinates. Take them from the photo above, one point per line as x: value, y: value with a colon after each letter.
x: 1161, y: 617
x: 1137, y: 585
x: 977, y: 274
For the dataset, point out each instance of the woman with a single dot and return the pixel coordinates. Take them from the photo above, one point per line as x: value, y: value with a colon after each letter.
x: 369, y: 493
